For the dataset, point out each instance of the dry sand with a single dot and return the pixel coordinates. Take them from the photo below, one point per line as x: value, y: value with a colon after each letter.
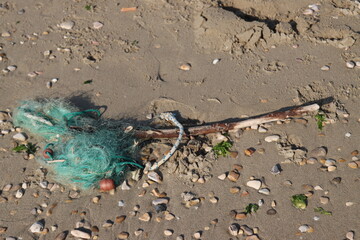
x: 271, y: 55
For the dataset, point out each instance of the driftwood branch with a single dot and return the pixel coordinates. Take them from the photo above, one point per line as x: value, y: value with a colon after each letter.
x: 223, y: 127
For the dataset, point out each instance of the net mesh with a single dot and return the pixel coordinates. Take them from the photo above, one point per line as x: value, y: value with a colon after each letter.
x: 84, y: 149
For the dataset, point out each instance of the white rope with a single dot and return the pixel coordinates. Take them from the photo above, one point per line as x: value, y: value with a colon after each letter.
x: 169, y: 117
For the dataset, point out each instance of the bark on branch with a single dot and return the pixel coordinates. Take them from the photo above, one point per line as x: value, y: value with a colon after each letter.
x: 223, y: 127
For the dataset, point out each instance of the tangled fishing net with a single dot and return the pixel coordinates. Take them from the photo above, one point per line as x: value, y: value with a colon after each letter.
x: 80, y: 149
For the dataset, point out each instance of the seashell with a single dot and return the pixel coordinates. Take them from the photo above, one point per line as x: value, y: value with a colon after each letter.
x: 154, y: 176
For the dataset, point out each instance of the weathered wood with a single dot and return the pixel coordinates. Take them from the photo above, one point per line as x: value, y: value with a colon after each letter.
x: 223, y: 127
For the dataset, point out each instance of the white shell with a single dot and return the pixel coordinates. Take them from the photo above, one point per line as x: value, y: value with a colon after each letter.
x: 216, y: 61
x: 350, y: 64
x: 80, y: 234
x: 11, y: 68
x: 308, y: 11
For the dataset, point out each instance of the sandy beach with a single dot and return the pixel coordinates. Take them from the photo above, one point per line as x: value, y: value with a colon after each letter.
x: 206, y: 61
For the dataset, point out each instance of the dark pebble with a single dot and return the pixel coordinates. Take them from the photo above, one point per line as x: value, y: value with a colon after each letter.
x: 271, y: 211
x: 160, y: 208
x: 336, y: 180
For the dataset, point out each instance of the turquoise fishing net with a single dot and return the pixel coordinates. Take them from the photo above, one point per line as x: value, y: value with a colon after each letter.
x: 84, y: 149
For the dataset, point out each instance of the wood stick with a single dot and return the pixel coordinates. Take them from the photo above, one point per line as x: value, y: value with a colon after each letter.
x: 224, y: 127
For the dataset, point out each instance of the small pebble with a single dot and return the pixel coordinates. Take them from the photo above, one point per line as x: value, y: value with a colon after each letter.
x: 169, y: 216
x: 318, y: 152
x: 304, y: 228
x: 222, y: 176
x: 308, y: 11
x: 123, y: 235
x: 160, y: 201
x: 273, y: 204
x: 67, y: 25
x: 168, y: 232
x: 80, y: 234
x: 272, y: 138
x: 256, y: 184
x: 250, y: 151
x: 350, y: 64
x: 349, y: 204
x: 324, y: 200
x: 271, y: 211
x: 316, y: 218
x: 5, y: 34
x: 11, y: 68
x: 325, y: 68
x: 108, y: 224
x: 61, y: 236
x: 19, y: 193
x: 276, y: 169
x: 336, y: 180
x: 7, y: 187
x: 145, y: 217
x: 120, y: 219
x: 264, y: 191
x: 234, y: 190
x: 37, y: 227
x: 311, y: 160
x: 32, y: 74
x: 214, y: 200
x: 252, y: 237
x: 331, y: 168
x: 247, y: 230
x: 96, y: 199
x: 180, y: 237
x: 330, y: 162
x: 121, y: 203
x: 197, y: 235
x: 125, y: 186
x: 216, y: 61
x: 185, y: 67
x: 138, y: 232
x: 97, y: 25
x: 20, y: 137
x: 154, y: 176
x: 350, y: 235
x: 262, y: 130
x: 233, y: 175
x: 353, y: 165
x: 348, y: 134
x: 240, y: 216
x: 234, y: 229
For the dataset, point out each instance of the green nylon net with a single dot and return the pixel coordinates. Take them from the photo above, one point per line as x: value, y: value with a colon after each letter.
x: 84, y: 149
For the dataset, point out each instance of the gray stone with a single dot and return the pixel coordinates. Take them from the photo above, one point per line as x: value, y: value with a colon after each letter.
x: 67, y: 25
x: 37, y: 227
x: 20, y: 137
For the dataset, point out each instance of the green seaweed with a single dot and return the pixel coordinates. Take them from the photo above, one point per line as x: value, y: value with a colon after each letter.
x: 320, y: 118
x: 251, y: 208
x: 299, y: 201
x: 222, y: 149
x: 322, y: 211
